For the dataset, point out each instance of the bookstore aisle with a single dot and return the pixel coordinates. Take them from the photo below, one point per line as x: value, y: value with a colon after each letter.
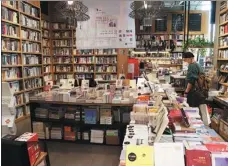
x: 69, y: 154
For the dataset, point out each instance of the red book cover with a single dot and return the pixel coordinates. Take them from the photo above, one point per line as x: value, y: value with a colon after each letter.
x: 217, y: 147
x: 198, y: 158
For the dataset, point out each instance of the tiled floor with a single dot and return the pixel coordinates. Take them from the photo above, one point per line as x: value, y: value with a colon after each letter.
x: 70, y: 154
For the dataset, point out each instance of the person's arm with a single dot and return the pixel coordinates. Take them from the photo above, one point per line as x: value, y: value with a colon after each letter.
x: 188, y: 88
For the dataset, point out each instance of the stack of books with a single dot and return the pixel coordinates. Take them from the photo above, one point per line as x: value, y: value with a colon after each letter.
x: 56, y: 133
x: 97, y: 136
x: 38, y: 127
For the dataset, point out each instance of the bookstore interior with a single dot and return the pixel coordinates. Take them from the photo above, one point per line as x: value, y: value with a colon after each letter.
x: 147, y: 77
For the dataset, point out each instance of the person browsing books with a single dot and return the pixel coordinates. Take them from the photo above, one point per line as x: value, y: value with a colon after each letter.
x: 194, y: 69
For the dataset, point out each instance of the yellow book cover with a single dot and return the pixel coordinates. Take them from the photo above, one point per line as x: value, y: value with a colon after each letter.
x: 139, y: 155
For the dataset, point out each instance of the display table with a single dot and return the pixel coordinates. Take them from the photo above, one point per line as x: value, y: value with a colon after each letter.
x: 123, y: 112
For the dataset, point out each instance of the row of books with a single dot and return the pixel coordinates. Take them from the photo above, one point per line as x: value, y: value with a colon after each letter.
x: 31, y: 59
x: 84, y: 76
x: 29, y: 34
x: 224, y: 67
x: 28, y: 9
x: 47, y: 69
x: 11, y: 59
x: 19, y: 99
x: 61, y: 34
x: 223, y: 5
x: 62, y: 51
x: 87, y: 60
x: 46, y: 51
x: 84, y: 68
x: 106, y: 68
x: 60, y: 26
x: 57, y: 76
x: 106, y: 76
x: 30, y: 47
x: 9, y: 15
x: 47, y: 77
x: 11, y: 73
x: 10, y: 44
x: 10, y: 30
x: 32, y: 71
x: 45, y: 33
x: 12, y: 4
x: 44, y: 24
x: 62, y: 60
x: 15, y: 86
x: 46, y: 60
x: 33, y: 83
x: 103, y: 60
x: 45, y: 43
x: 223, y: 18
x: 223, y: 41
x: 28, y: 22
x: 58, y: 43
x: 62, y: 68
x: 223, y: 29
x: 223, y: 54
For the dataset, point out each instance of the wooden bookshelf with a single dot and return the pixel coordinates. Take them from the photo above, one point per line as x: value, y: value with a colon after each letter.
x: 15, y: 59
x: 222, y: 55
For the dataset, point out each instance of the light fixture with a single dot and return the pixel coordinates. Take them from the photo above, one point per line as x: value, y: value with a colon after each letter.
x: 70, y: 2
x: 145, y: 4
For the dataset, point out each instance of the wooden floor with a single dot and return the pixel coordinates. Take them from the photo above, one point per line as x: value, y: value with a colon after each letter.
x: 69, y: 154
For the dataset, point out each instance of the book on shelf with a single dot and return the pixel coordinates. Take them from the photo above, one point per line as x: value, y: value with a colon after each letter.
x: 223, y: 42
x: 10, y: 44
x: 46, y: 51
x: 30, y: 23
x: 10, y: 30
x: 11, y: 73
x: 30, y: 10
x: 223, y: 54
x: 84, y: 52
x: 30, y: 47
x: 11, y: 59
x: 33, y: 83
x: 19, y: 112
x: 103, y: 60
x: 62, y: 68
x: 14, y: 86
x: 105, y: 51
x: 223, y: 18
x: 19, y: 99
x: 13, y: 4
x: 59, y: 76
x: 223, y: 29
x: 84, y: 76
x: 47, y: 60
x: 85, y: 68
x: 222, y: 79
x: 45, y: 33
x: 45, y: 43
x: 47, y: 77
x: 60, y: 26
x: 9, y: 15
x: 62, y: 43
x: 88, y: 60
x: 45, y: 24
x: 66, y: 60
x: 62, y: 51
x: 106, y: 68
x: 47, y: 69
x: 106, y: 76
x: 223, y: 5
x: 60, y: 35
x: 31, y: 59
x: 31, y: 71
x: 29, y: 34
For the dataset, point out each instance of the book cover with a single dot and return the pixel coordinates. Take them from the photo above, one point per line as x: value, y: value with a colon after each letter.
x: 139, y: 155
x: 220, y: 159
x: 198, y: 158
x: 169, y: 154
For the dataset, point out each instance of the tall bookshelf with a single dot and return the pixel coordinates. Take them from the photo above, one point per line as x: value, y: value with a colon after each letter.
x: 63, y: 46
x: 21, y: 52
x: 222, y: 58
x: 46, y: 50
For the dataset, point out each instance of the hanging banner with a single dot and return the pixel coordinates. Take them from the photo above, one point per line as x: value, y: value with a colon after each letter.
x: 104, y: 30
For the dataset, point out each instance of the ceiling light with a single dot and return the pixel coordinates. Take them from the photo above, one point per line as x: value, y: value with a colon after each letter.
x: 70, y: 2
x: 145, y: 4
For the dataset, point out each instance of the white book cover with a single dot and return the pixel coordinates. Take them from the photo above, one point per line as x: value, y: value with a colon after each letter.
x: 169, y: 154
